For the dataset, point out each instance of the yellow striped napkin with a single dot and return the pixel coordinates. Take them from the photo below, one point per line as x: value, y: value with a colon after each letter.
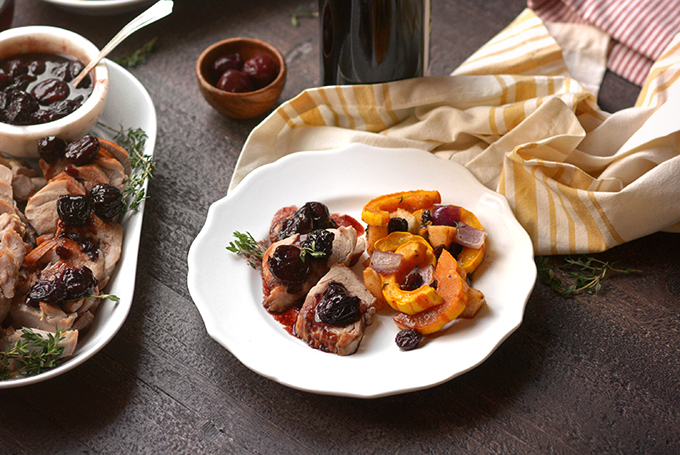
x: 580, y: 180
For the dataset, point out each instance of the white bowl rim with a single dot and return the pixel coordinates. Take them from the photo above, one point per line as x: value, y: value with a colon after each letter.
x: 100, y: 76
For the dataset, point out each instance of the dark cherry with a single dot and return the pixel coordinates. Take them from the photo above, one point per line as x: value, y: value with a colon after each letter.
x: 78, y: 282
x: 412, y: 282
x: 36, y: 67
x: 107, y: 201
x: 287, y: 266
x: 21, y: 106
x: 21, y: 82
x: 234, y: 81
x: 50, y: 91
x: 74, y: 210
x: 74, y: 68
x: 397, y: 224
x: 311, y: 216
x: 337, y: 307
x: 408, y: 339
x: 5, y: 80
x: 51, y: 148
x: 63, y: 108
x: 455, y: 249
x: 15, y: 67
x: 228, y: 62
x: 320, y: 241
x: 426, y: 218
x: 261, y: 68
x: 42, y: 116
x: 321, y: 216
x: 61, y: 71
x: 48, y: 291
x: 83, y: 151
x: 299, y: 223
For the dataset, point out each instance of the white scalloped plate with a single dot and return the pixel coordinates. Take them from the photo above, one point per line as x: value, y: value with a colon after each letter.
x: 99, y: 7
x: 128, y: 106
x: 228, y: 293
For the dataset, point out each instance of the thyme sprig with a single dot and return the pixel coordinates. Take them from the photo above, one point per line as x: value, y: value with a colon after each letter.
x: 301, y: 11
x: 133, y: 140
x: 139, y: 56
x: 245, y: 245
x: 32, y: 354
x: 311, y: 251
x: 111, y: 297
x: 587, y: 274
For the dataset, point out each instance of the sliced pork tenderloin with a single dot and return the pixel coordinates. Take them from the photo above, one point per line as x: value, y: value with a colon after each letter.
x: 54, y: 250
x: 114, y: 150
x: 110, y: 237
x: 9, y: 274
x: 12, y: 253
x: 114, y: 170
x: 347, y: 246
x: 336, y: 312
x: 83, y: 322
x: 43, y: 317
x: 7, y: 203
x: 280, y: 296
x: 26, y: 181
x: 41, y: 209
x: 12, y: 231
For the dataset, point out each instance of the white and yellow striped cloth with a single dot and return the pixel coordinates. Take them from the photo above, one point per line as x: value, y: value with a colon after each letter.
x: 580, y: 180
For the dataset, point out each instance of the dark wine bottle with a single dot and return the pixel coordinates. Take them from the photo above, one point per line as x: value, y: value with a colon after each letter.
x: 6, y: 14
x: 372, y: 41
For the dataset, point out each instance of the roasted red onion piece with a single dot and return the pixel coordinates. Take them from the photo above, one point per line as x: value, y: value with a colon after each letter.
x: 469, y: 236
x: 385, y: 262
x: 427, y: 274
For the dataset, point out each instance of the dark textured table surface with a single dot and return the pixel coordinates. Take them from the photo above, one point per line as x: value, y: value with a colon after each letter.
x: 589, y: 374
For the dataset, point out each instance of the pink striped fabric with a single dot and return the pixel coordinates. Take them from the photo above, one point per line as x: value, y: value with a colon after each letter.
x: 640, y: 29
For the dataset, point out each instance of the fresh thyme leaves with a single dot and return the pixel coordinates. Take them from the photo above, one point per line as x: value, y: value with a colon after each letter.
x: 301, y: 11
x: 32, y: 354
x: 587, y: 274
x: 111, y: 297
x: 245, y: 245
x: 133, y: 140
x: 139, y: 56
x: 312, y: 251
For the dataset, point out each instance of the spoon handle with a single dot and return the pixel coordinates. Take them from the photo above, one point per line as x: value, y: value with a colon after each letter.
x: 158, y: 11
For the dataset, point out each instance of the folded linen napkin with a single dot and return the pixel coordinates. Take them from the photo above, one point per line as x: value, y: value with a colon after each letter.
x: 580, y: 180
x: 641, y: 30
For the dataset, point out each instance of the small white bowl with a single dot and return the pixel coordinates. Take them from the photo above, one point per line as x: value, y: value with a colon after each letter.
x: 21, y: 141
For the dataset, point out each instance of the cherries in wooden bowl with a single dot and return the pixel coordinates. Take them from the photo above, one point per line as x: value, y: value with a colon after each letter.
x: 241, y: 77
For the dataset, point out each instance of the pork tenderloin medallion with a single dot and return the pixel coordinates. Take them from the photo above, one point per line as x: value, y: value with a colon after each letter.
x: 290, y: 267
x: 336, y: 312
x: 285, y: 278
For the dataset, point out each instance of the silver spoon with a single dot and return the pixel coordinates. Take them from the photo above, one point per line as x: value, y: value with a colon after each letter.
x: 158, y: 11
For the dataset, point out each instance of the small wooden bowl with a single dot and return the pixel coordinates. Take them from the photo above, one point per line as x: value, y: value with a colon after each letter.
x: 242, y: 105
